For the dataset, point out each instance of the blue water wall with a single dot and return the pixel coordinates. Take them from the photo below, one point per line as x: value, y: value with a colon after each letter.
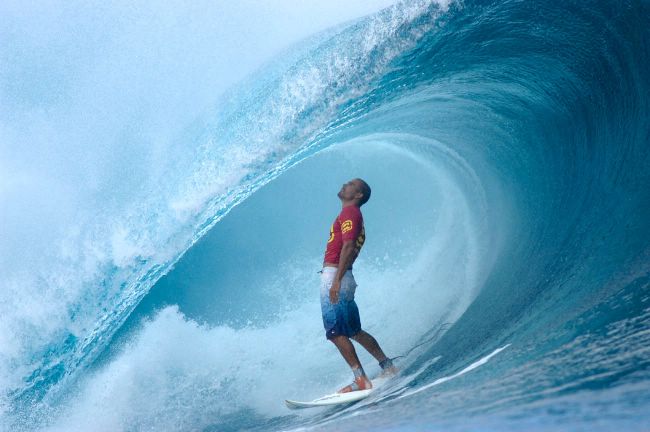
x: 507, y: 254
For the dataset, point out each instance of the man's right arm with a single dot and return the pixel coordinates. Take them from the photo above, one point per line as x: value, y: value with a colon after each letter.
x: 348, y: 254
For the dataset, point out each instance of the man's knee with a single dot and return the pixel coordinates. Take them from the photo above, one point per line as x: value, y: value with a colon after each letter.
x: 360, y: 335
x: 339, y: 339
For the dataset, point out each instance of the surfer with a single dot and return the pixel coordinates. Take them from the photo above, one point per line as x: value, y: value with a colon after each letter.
x: 340, y: 312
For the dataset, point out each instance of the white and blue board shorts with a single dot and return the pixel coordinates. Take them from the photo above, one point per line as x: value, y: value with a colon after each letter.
x: 341, y: 318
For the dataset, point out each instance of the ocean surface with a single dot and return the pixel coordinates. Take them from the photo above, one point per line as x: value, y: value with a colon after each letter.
x: 163, y: 221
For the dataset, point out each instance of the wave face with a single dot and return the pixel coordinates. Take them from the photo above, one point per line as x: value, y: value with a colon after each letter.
x: 506, y: 259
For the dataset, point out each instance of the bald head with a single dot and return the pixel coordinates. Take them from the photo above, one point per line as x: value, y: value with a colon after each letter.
x: 355, y: 191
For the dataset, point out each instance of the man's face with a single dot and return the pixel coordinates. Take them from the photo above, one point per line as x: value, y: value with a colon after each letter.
x: 350, y: 190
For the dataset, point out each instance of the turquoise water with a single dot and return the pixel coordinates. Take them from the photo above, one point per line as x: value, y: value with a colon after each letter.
x: 507, y: 250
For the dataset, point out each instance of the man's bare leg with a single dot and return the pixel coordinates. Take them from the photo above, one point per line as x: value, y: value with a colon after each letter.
x: 372, y: 346
x: 361, y: 381
x: 347, y: 351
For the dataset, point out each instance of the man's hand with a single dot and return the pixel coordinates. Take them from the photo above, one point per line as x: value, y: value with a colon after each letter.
x: 334, y: 291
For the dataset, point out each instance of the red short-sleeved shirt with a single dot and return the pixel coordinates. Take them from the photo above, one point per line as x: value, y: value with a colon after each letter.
x: 348, y: 225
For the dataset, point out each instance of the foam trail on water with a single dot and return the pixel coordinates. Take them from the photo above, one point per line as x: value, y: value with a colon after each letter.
x: 469, y: 368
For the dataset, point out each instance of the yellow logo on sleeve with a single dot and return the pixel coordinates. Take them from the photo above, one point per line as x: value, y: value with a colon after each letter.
x: 346, y: 226
x: 331, y: 234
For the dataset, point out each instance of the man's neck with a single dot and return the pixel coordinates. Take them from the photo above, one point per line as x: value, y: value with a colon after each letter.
x: 345, y: 204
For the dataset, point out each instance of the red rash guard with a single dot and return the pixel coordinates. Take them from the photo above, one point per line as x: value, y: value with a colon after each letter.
x: 348, y: 225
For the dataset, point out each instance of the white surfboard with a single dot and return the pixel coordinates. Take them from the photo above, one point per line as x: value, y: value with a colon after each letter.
x: 339, y: 398
x: 332, y: 399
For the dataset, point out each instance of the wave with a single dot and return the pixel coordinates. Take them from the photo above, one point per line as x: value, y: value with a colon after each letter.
x: 506, y: 145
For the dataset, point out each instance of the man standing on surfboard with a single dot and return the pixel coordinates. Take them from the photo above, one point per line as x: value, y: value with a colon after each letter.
x: 340, y: 312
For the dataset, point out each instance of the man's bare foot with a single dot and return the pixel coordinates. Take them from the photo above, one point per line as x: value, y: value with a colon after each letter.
x: 360, y: 383
x: 388, y: 369
x: 389, y: 372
